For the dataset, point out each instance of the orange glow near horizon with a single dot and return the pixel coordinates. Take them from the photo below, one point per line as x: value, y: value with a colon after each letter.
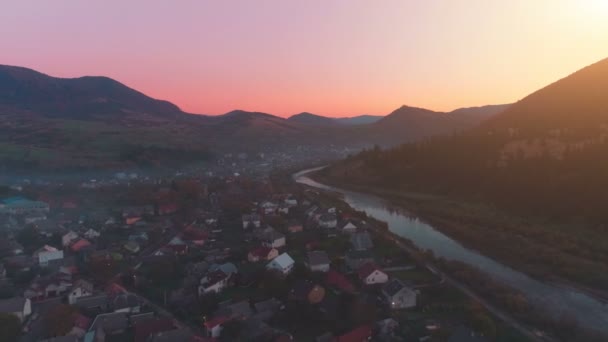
x: 338, y: 58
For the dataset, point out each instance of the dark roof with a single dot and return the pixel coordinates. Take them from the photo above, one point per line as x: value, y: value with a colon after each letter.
x: 100, y: 301
x: 111, y: 322
x: 361, y: 241
x: 318, y: 258
x: 10, y: 305
x: 149, y: 327
x: 125, y: 300
x: 271, y: 304
x: 393, y: 287
x: 367, y: 269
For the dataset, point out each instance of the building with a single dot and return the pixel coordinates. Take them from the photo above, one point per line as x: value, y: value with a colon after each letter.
x: 361, y: 241
x: 21, y: 206
x: 18, y: 306
x: 398, y: 295
x: 213, y: 282
x: 273, y: 239
x: 318, y: 261
x: 328, y: 221
x: 262, y: 254
x: 370, y: 274
x: 81, y: 288
x: 252, y: 220
x: 349, y: 228
x: 283, y: 263
x: 355, y: 259
x: 46, y: 254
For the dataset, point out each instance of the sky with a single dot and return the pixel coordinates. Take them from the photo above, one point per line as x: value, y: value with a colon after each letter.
x: 330, y: 57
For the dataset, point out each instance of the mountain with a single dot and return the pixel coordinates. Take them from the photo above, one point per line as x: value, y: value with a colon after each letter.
x: 312, y: 119
x: 480, y: 113
x: 97, y: 122
x: 318, y: 120
x: 526, y: 158
x: 359, y: 120
x: 80, y: 98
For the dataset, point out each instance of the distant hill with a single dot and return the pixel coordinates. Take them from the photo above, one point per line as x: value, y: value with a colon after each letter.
x: 78, y: 98
x: 359, y: 120
x: 544, y: 154
x: 97, y: 122
x: 319, y: 120
x: 312, y: 119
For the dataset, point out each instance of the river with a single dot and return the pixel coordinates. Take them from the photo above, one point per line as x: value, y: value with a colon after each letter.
x: 557, y: 300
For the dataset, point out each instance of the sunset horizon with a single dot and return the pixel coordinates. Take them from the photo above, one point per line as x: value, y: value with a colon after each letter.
x: 356, y: 59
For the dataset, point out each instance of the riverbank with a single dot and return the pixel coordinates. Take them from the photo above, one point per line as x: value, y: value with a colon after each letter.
x: 553, y: 309
x: 546, y: 252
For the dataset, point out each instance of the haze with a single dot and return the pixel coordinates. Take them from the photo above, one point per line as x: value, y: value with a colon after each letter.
x: 335, y: 58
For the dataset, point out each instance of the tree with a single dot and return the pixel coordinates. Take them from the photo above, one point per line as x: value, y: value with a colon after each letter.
x: 11, y: 327
x: 60, y: 320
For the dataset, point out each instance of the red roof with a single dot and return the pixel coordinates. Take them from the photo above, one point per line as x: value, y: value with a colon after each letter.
x: 144, y: 329
x: 261, y: 252
x: 360, y: 334
x: 79, y: 244
x: 367, y: 269
x: 216, y: 321
x: 338, y: 280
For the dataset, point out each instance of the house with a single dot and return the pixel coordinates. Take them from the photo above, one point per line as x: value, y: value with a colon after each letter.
x: 91, y: 234
x: 213, y: 282
x: 178, y: 246
x: 51, y: 286
x: 79, y: 245
x: 46, y: 254
x: 148, y: 327
x: 339, y: 281
x: 318, y: 261
x: 307, y: 291
x: 251, y: 220
x: 273, y: 239
x: 328, y: 221
x: 268, y: 207
x: 100, y: 303
x: 283, y: 263
x: 68, y: 237
x: 295, y: 226
x: 355, y: 259
x: 167, y: 209
x: 132, y: 247
x: 126, y: 302
x: 214, y: 326
x: 18, y: 306
x: 239, y: 310
x: 229, y: 268
x: 112, y: 323
x: 291, y: 201
x: 23, y: 206
x: 370, y: 274
x: 262, y: 254
x: 398, y: 295
x: 34, y: 217
x: 361, y: 241
x: 360, y: 334
x: 81, y: 288
x: 267, y: 309
x: 349, y: 228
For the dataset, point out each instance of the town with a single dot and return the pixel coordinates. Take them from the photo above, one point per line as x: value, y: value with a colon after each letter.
x: 214, y: 257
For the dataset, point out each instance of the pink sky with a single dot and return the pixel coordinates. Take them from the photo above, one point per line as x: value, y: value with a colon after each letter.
x: 331, y: 57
